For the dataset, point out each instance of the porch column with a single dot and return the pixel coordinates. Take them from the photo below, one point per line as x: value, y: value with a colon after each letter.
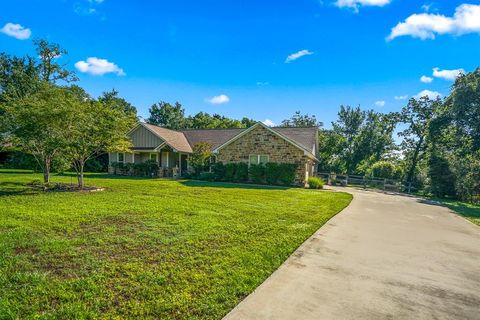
x: 180, y: 163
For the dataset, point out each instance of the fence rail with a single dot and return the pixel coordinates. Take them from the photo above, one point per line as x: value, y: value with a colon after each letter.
x: 366, y: 182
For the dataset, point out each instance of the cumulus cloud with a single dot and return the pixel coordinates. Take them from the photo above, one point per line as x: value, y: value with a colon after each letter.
x: 268, y: 123
x: 355, y: 4
x: 297, y: 55
x: 16, y: 30
x: 447, y: 74
x: 98, y: 67
x: 426, y: 79
x: 404, y: 97
x: 428, y: 93
x: 220, y: 99
x: 380, y: 103
x: 427, y: 25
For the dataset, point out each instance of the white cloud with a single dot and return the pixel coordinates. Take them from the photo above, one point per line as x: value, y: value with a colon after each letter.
x: 404, y: 97
x: 428, y: 93
x: 447, y: 74
x: 296, y: 55
x: 426, y: 79
x: 268, y: 123
x: 16, y: 31
x: 355, y: 4
x: 426, y: 25
x: 99, y: 67
x: 380, y: 103
x: 220, y: 99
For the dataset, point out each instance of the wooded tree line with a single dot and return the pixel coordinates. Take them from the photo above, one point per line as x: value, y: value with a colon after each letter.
x: 439, y: 150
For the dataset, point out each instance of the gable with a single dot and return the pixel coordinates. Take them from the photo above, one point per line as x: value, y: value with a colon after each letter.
x: 142, y: 138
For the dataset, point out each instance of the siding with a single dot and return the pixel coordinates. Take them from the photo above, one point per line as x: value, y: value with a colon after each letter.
x: 143, y: 138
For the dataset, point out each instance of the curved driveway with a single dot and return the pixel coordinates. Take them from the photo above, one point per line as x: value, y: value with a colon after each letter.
x: 384, y: 257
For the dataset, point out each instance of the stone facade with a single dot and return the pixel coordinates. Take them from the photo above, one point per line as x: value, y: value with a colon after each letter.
x: 261, y: 141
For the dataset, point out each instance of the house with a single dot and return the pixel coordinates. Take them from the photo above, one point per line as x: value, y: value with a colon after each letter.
x: 257, y: 144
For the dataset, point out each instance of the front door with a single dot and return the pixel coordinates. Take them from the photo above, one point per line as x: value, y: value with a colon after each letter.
x: 183, y: 164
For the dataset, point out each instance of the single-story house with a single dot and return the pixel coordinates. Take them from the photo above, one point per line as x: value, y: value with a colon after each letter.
x: 256, y: 144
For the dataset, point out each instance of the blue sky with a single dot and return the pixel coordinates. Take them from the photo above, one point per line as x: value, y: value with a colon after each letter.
x: 231, y: 57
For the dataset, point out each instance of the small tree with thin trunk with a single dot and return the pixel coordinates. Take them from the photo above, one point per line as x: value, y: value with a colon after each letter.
x: 98, y: 128
x: 202, y: 152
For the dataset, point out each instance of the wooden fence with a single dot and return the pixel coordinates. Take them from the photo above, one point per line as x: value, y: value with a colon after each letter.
x: 366, y: 182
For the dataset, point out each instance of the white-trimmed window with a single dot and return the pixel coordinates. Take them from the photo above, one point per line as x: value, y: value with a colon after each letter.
x: 121, y: 157
x: 154, y: 156
x: 258, y: 158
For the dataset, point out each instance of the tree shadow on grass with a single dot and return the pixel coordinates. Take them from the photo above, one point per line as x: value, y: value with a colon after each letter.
x: 468, y: 211
x: 230, y: 185
x: 8, y: 188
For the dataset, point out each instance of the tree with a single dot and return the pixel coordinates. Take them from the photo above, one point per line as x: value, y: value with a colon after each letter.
x: 98, y: 128
x: 114, y: 101
x: 200, y: 156
x: 165, y: 115
x: 417, y: 115
x: 442, y: 179
x: 299, y: 120
x: 49, y: 69
x: 42, y: 123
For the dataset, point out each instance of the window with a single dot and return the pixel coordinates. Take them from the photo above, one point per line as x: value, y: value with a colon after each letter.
x: 258, y: 159
x: 153, y: 156
x: 263, y: 158
x: 121, y: 157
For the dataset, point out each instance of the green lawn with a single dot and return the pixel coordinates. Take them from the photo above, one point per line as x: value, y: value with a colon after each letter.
x: 468, y: 211
x: 146, y: 248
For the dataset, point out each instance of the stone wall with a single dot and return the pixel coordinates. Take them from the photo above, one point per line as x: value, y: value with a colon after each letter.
x: 261, y: 141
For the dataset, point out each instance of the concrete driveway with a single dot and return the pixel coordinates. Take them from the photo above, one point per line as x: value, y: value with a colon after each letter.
x: 384, y: 257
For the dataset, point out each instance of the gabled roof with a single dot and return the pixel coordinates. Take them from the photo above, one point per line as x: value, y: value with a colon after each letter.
x: 302, y: 138
x: 183, y: 141
x: 174, y: 139
x: 215, y: 137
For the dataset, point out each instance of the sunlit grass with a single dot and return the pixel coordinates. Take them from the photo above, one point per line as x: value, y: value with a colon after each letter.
x: 146, y: 248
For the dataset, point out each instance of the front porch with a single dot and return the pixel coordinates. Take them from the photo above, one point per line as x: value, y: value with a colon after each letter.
x: 171, y: 163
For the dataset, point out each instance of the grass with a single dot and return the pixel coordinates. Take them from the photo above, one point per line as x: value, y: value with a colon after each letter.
x: 146, y: 248
x: 469, y: 211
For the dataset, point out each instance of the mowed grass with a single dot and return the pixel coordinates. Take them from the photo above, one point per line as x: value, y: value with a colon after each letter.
x: 469, y: 211
x: 146, y: 248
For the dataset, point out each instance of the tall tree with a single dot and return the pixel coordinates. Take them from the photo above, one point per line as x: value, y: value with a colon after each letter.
x: 165, y: 115
x: 418, y: 114
x: 50, y: 70
x: 302, y: 120
x: 113, y: 99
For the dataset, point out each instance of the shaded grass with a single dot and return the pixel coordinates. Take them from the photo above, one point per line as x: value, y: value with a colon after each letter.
x: 469, y: 211
x: 146, y: 248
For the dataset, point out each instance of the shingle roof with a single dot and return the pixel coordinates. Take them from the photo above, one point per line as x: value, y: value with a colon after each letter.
x: 174, y: 139
x: 215, y: 137
x: 184, y: 140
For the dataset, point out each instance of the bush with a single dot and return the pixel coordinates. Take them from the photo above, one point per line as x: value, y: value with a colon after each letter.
x: 256, y: 173
x: 385, y: 169
x: 219, y: 171
x: 286, y: 173
x: 315, y: 183
x: 230, y: 169
x: 148, y: 168
x: 241, y: 174
x: 272, y: 173
x: 206, y: 176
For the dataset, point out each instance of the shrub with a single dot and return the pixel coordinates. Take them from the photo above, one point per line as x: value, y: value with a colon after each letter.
x: 272, y: 173
x: 206, y: 176
x: 286, y: 173
x: 219, y: 171
x: 256, y: 173
x: 315, y: 183
x: 230, y: 169
x: 385, y: 169
x: 241, y: 174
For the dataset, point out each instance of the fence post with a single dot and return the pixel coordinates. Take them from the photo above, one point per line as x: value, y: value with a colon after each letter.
x: 346, y: 180
x: 384, y: 184
x: 410, y: 187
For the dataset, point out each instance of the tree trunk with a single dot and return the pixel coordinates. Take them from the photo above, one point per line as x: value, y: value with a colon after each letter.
x: 411, y: 171
x: 46, y: 170
x: 81, y: 165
